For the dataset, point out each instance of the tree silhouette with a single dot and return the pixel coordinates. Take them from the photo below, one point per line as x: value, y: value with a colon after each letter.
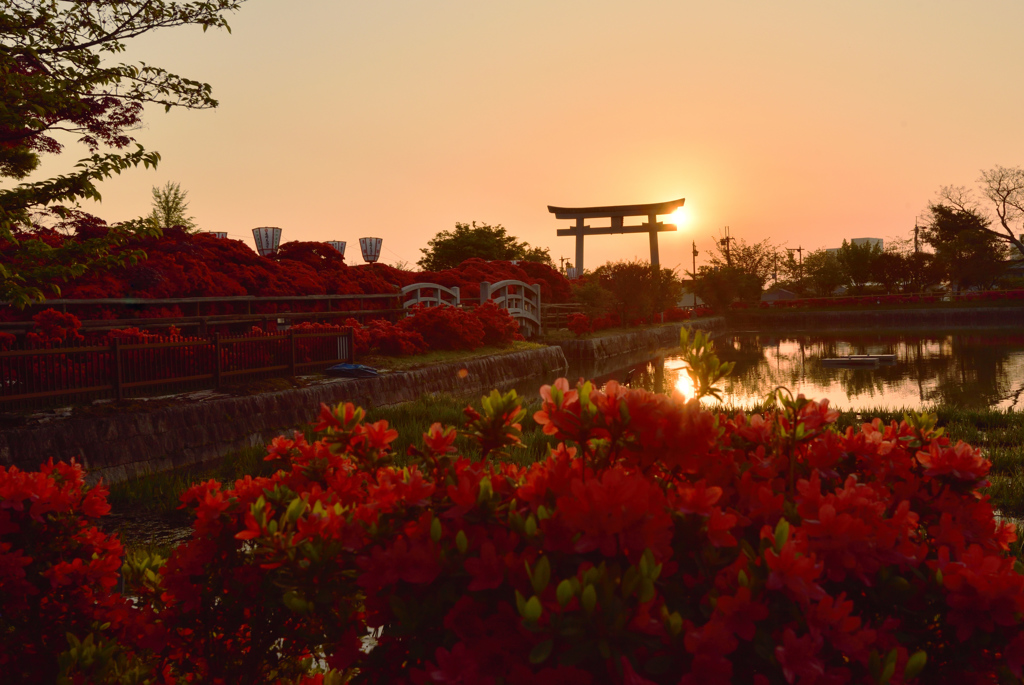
x: 170, y: 207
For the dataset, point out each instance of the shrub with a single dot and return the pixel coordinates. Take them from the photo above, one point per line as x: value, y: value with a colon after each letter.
x: 58, y: 572
x: 53, y: 328
x: 579, y: 324
x: 445, y: 328
x: 677, y: 314
x: 498, y: 326
x: 660, y: 542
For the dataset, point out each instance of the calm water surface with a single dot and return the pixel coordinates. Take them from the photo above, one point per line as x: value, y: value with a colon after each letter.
x: 972, y: 370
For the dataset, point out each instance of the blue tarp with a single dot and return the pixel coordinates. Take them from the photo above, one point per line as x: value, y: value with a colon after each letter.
x: 352, y: 371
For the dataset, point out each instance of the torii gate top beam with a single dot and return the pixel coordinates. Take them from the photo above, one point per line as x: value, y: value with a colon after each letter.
x: 655, y: 208
x: 615, y: 214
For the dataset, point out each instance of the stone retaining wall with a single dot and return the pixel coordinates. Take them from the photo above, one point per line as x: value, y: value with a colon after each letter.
x: 593, y: 349
x: 938, y: 318
x: 124, y: 446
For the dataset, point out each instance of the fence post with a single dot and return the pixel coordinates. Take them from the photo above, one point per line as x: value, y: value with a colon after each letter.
x: 216, y: 360
x: 485, y: 292
x: 115, y: 346
x: 458, y: 296
x: 291, y: 358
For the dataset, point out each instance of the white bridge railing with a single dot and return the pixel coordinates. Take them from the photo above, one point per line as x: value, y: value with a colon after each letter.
x: 521, y: 300
x: 430, y: 295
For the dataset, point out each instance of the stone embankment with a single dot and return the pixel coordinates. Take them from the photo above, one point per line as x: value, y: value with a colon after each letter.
x: 932, y: 318
x: 123, y: 446
x: 650, y: 339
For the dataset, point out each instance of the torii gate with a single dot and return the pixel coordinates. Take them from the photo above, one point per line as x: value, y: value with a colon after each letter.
x: 616, y: 214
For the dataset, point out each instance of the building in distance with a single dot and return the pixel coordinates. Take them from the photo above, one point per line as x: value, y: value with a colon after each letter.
x: 861, y: 241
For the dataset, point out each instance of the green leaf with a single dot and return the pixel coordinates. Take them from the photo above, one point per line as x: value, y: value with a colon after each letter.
x: 533, y: 609
x: 915, y: 664
x: 295, y: 510
x: 541, y: 651
x: 435, y: 529
x: 564, y: 592
x: 588, y: 600
x: 888, y: 668
x: 541, y: 576
x: 781, y: 535
x: 461, y: 541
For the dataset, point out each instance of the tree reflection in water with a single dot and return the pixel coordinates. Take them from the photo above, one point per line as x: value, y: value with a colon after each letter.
x: 970, y: 370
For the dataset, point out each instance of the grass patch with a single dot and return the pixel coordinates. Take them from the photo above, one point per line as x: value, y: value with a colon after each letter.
x: 415, y: 361
x: 565, y: 334
x: 160, y: 493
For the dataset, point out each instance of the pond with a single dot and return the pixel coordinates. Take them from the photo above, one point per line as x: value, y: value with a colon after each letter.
x: 972, y: 370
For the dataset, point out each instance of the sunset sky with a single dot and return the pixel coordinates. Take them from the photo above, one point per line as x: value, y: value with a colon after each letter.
x: 802, y: 122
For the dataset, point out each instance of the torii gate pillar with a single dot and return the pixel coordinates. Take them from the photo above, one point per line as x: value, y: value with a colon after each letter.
x: 616, y: 214
x: 580, y: 228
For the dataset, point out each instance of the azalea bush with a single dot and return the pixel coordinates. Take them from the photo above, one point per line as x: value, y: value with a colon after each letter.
x: 661, y: 541
x: 182, y: 264
x: 58, y: 577
x: 436, y: 328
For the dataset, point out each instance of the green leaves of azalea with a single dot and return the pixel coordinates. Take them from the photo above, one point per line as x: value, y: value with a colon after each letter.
x: 498, y: 428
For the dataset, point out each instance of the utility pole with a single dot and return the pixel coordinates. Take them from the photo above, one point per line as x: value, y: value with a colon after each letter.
x: 800, y: 252
x: 916, y: 249
x: 695, y: 259
x: 725, y: 242
x: 561, y: 264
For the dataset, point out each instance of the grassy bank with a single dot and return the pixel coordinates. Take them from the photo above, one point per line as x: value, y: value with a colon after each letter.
x: 555, y: 335
x: 159, y: 492
x: 415, y: 361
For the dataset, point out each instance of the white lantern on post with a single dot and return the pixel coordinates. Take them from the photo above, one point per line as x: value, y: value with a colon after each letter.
x: 370, y: 248
x: 570, y: 273
x: 268, y: 239
x: 338, y: 245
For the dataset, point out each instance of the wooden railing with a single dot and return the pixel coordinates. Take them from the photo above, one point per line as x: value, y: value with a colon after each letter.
x: 118, y: 370
x: 522, y: 301
x: 429, y: 295
x: 555, y: 316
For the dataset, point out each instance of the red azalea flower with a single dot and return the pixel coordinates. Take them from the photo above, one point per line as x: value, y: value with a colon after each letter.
x: 962, y: 462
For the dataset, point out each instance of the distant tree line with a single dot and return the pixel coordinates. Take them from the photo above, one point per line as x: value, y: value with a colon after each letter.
x: 964, y: 241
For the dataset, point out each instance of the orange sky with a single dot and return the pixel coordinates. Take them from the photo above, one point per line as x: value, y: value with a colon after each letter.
x: 803, y: 122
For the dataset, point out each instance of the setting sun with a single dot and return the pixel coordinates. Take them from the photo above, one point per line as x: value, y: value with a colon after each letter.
x: 680, y: 217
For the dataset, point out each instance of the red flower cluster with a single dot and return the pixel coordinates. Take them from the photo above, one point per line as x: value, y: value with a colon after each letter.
x: 53, y: 328
x: 437, y: 328
x: 657, y: 543
x: 57, y: 570
x: 181, y: 264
